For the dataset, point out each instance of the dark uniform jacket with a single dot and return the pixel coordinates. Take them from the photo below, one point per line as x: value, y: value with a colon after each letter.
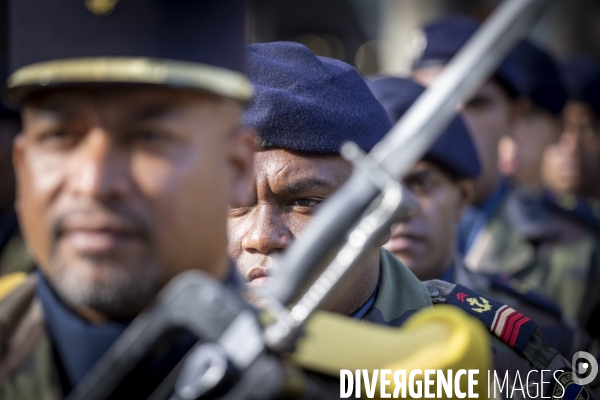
x: 400, y: 294
x: 560, y: 332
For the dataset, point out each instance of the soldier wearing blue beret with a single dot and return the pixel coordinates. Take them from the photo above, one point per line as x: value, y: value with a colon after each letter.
x: 305, y: 107
x: 443, y: 182
x: 537, y: 122
x: 506, y: 230
x: 571, y: 167
x: 132, y: 147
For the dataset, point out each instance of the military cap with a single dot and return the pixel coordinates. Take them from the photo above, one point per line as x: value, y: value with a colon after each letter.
x: 582, y: 78
x: 577, y: 72
x: 591, y: 94
x: 541, y: 76
x: 454, y: 149
x: 179, y: 43
x: 310, y: 104
x: 446, y: 36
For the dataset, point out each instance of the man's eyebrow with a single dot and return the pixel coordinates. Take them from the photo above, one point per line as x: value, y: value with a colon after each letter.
x: 479, y: 97
x: 55, y: 111
x: 307, y: 184
x: 414, y: 175
x: 150, y: 112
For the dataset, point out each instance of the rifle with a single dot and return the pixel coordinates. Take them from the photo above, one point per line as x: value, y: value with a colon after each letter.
x: 229, y: 354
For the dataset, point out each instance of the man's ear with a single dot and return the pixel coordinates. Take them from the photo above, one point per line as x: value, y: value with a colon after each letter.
x: 466, y: 190
x: 17, y: 160
x: 241, y: 157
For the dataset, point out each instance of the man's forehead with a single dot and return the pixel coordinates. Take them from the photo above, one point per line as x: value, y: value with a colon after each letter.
x: 282, y: 167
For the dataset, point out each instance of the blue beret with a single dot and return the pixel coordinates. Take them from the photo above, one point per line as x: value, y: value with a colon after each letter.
x: 577, y: 72
x: 543, y: 81
x: 590, y: 94
x: 454, y: 149
x: 182, y: 43
x: 310, y: 104
x: 445, y: 37
x: 582, y: 77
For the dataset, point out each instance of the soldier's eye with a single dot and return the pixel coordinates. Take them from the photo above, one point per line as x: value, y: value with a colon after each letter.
x: 305, y: 202
x: 419, y: 186
x: 150, y: 135
x: 59, y: 138
x: 238, y: 211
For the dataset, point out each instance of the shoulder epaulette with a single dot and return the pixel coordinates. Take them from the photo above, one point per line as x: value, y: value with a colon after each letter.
x: 10, y: 282
x: 522, y: 291
x: 509, y: 325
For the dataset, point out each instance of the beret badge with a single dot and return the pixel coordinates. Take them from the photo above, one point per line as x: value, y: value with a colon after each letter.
x: 101, y: 7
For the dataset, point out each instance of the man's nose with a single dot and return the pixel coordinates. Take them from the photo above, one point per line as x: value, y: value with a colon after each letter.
x: 99, y: 169
x: 268, y: 231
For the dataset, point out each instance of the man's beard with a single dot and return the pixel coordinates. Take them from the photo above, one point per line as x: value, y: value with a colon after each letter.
x: 119, y: 292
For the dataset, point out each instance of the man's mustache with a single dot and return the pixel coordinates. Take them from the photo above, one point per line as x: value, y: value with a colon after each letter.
x: 101, y: 218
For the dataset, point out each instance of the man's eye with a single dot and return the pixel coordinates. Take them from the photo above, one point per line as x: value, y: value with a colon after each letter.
x: 478, y: 102
x: 238, y: 211
x: 305, y: 202
x: 150, y: 135
x: 419, y: 185
x: 57, y: 138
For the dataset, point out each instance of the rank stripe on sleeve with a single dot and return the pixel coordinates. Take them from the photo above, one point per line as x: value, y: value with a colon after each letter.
x: 512, y: 327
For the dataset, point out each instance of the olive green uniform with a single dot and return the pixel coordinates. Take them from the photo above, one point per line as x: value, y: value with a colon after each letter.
x: 553, y: 255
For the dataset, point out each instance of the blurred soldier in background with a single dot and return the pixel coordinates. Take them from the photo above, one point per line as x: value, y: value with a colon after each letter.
x: 444, y: 182
x: 131, y: 150
x: 537, y: 122
x: 571, y: 166
x: 489, y: 114
x: 511, y: 231
x: 304, y: 108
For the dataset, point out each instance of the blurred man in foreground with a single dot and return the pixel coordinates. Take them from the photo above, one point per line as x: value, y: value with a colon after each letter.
x: 506, y: 230
x: 131, y: 150
x: 304, y: 108
x: 443, y: 182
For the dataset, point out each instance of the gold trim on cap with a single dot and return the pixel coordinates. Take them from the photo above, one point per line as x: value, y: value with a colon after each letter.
x: 218, y: 80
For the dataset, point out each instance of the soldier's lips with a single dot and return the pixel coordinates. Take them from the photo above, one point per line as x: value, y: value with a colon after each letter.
x: 258, y: 276
x: 404, y: 242
x: 96, y: 240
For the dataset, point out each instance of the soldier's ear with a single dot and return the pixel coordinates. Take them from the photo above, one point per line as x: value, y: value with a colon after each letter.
x: 241, y: 157
x: 17, y: 160
x: 466, y: 189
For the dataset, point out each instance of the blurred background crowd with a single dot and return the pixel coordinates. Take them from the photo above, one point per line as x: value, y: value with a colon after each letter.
x: 385, y: 37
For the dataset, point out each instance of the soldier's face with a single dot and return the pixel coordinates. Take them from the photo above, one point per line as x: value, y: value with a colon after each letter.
x: 571, y: 165
x: 534, y: 130
x: 289, y: 187
x: 489, y: 116
x: 426, y: 243
x: 120, y: 190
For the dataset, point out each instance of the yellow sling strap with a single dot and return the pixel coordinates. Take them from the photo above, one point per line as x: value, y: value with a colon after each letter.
x: 10, y: 282
x: 438, y: 338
